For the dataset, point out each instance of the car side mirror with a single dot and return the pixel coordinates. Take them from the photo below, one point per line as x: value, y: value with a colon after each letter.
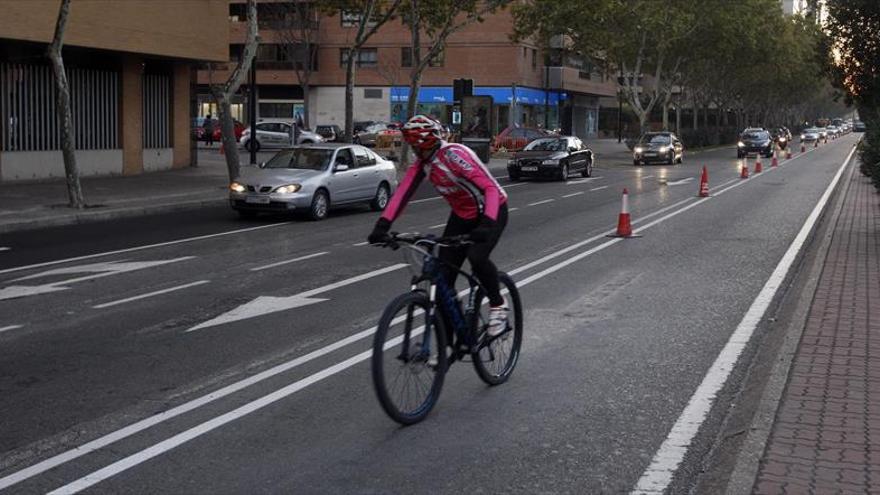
x: 340, y: 167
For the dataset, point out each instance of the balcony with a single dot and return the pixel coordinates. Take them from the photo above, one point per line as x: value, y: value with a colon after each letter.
x: 574, y: 80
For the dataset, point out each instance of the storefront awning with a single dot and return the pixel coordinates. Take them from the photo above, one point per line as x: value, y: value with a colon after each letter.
x: 501, y: 95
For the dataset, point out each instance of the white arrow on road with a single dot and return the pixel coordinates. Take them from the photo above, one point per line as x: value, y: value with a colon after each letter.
x: 98, y: 270
x: 264, y: 305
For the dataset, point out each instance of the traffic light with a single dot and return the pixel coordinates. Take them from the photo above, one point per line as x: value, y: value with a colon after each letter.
x: 462, y: 87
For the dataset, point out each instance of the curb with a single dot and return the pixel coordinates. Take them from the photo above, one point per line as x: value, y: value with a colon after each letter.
x: 106, y: 214
x: 745, y: 470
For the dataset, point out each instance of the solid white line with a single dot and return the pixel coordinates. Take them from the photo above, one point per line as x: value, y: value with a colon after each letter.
x: 658, y: 475
x: 361, y: 243
x: 646, y: 177
x: 10, y: 327
x: 426, y: 199
x: 512, y: 209
x: 5, y: 249
x: 151, y: 294
x: 598, y: 188
x: 573, y: 194
x: 439, y: 225
x: 536, y: 203
x: 140, y: 248
x: 280, y: 263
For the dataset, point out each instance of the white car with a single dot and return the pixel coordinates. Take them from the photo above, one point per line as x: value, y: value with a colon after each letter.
x: 810, y: 135
x: 276, y: 134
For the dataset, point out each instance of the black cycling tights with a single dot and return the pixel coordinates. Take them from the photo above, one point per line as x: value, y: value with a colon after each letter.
x: 477, y: 254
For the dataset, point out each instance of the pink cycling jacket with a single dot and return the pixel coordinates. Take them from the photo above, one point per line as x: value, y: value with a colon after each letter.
x: 459, y: 176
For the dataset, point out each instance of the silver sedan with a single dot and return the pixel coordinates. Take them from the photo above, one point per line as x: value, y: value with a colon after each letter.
x: 314, y: 178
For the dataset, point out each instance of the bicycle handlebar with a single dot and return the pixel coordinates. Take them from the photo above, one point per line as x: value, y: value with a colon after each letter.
x: 414, y: 239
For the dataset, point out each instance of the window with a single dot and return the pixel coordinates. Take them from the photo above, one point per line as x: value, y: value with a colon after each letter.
x: 517, y: 133
x: 525, y: 52
x: 534, y: 59
x: 363, y: 158
x: 406, y: 56
x: 438, y: 60
x: 352, y: 18
x: 372, y: 93
x: 343, y: 157
x: 366, y: 57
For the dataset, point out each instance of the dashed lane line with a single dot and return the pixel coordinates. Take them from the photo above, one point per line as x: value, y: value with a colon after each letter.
x: 598, y: 188
x: 151, y: 294
x: 573, y: 194
x: 536, y: 203
x: 294, y: 260
x: 10, y: 327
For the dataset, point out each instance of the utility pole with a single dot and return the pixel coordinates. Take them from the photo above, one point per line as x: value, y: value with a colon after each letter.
x: 511, y: 118
x: 252, y: 110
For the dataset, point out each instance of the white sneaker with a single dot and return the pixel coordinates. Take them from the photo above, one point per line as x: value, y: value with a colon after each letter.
x: 497, y: 320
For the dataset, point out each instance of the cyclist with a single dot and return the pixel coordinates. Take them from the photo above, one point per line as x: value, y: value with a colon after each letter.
x: 479, y: 207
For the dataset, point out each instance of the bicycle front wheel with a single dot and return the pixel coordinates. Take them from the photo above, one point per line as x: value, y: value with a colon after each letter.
x: 495, y: 357
x: 409, y: 359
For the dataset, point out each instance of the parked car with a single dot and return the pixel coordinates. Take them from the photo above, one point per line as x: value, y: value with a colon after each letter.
x: 810, y: 135
x: 754, y: 140
x: 516, y: 138
x: 198, y: 129
x: 658, y: 147
x: 313, y: 179
x: 555, y: 157
x: 369, y: 135
x: 858, y: 126
x: 331, y: 133
x: 276, y: 134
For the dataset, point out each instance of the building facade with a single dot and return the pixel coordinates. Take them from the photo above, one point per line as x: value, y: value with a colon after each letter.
x: 131, y: 68
x: 528, y: 86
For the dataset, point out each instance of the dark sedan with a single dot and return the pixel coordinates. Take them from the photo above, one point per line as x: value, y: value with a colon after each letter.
x: 555, y: 157
x: 754, y: 141
x: 658, y: 147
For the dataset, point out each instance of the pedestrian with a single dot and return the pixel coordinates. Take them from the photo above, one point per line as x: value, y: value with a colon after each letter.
x: 208, y: 127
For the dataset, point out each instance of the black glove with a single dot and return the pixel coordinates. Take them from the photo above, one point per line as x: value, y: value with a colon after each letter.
x: 379, y: 235
x: 484, y: 230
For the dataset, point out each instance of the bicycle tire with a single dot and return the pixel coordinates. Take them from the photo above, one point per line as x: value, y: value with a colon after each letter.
x: 410, y: 359
x: 485, y: 354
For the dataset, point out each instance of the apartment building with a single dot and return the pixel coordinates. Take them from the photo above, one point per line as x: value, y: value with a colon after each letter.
x: 131, y: 67
x: 546, y: 89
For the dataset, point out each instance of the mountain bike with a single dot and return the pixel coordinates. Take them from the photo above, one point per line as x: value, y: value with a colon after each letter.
x: 423, y: 331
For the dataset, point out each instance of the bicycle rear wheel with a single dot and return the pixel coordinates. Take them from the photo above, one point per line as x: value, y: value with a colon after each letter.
x: 496, y: 357
x: 409, y: 359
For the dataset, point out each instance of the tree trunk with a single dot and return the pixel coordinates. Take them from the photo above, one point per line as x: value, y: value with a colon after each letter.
x: 62, y: 101
x: 678, y: 118
x: 230, y: 145
x: 665, y: 116
x: 695, y: 115
x: 349, y: 96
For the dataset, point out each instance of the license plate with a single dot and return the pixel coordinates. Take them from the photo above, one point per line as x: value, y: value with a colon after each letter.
x: 529, y: 169
x: 650, y: 153
x: 259, y: 200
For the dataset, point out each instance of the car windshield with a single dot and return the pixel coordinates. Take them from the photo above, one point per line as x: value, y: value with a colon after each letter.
x: 655, y: 139
x: 301, y: 158
x: 547, y: 145
x: 812, y: 130
x: 755, y: 135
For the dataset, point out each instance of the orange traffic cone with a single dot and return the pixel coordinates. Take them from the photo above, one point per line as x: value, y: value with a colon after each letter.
x: 816, y: 143
x: 624, y: 226
x: 803, y: 147
x: 744, y: 172
x: 704, y: 183
x: 775, y: 161
x: 758, y: 166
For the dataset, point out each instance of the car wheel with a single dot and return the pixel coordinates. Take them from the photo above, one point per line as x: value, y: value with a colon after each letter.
x: 588, y: 169
x: 252, y: 145
x: 246, y: 213
x: 513, y: 177
x: 320, y: 205
x: 636, y: 163
x: 671, y: 158
x: 563, y: 172
x: 739, y: 155
x: 380, y: 201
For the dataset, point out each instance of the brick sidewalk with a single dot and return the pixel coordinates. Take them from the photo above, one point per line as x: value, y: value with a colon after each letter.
x: 826, y: 436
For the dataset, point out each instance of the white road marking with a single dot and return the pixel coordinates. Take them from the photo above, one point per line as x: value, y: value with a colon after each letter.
x: 508, y: 186
x: 426, y: 199
x: 161, y: 417
x: 646, y: 177
x: 264, y: 305
x: 150, y: 294
x: 439, y: 225
x: 573, y: 194
x: 361, y: 243
x: 10, y: 327
x: 536, y: 203
x: 5, y: 249
x: 140, y: 248
x: 598, y: 188
x: 99, y: 270
x: 680, y: 182
x: 512, y: 209
x: 666, y: 461
x: 294, y: 260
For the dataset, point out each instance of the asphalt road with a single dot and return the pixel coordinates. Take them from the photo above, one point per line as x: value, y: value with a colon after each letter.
x: 126, y: 369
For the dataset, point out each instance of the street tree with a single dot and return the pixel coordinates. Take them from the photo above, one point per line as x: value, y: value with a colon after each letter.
x: 223, y: 93
x: 853, y: 59
x: 365, y: 17
x: 296, y: 25
x: 62, y: 102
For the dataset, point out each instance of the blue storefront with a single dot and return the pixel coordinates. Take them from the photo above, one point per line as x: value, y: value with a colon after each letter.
x: 534, y: 107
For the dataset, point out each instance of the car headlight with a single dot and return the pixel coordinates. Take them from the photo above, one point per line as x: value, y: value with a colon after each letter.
x: 741, y: 144
x: 782, y: 140
x: 550, y: 162
x: 236, y: 187
x: 288, y: 188
x: 664, y: 149
x: 638, y: 150
x: 802, y: 136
